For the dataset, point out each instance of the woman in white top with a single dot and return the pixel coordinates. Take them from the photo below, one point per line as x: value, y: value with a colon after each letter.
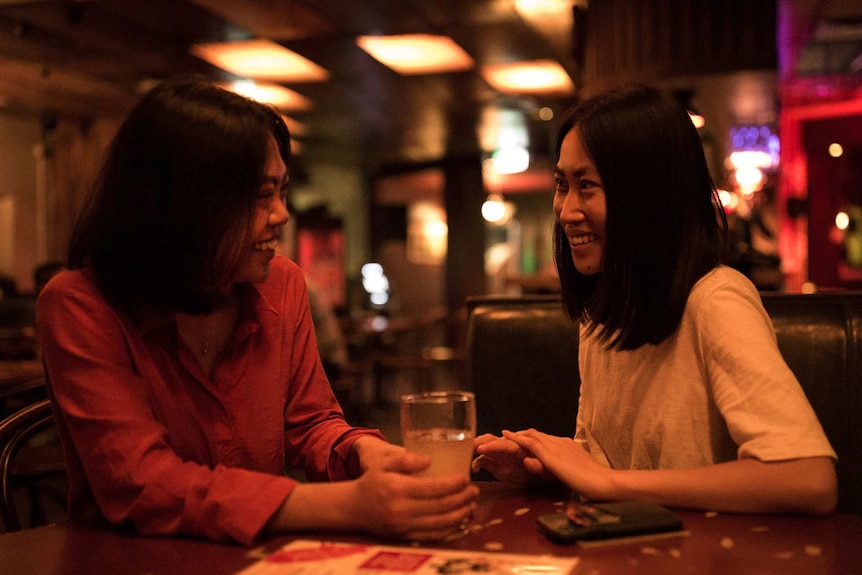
x: 685, y: 398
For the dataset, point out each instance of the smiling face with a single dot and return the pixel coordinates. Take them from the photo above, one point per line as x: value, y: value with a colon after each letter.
x: 579, y: 203
x: 268, y: 215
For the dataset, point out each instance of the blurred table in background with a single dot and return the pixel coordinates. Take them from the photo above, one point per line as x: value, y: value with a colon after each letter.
x: 21, y: 383
x: 421, y: 353
x: 18, y: 343
x: 19, y: 375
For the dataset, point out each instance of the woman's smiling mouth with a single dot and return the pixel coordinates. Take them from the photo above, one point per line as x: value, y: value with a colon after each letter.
x: 266, y: 245
x: 582, y: 239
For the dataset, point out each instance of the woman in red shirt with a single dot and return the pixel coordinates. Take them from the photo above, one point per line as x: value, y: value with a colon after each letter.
x: 180, y: 351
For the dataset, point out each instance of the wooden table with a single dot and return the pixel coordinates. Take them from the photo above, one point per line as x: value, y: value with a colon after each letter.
x: 718, y: 543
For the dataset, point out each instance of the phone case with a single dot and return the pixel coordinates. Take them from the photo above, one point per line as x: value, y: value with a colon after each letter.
x: 584, y: 521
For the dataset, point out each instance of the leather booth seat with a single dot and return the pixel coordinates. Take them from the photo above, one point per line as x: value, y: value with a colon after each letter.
x: 522, y: 363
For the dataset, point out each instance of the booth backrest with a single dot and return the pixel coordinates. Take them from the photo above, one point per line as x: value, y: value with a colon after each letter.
x: 522, y: 363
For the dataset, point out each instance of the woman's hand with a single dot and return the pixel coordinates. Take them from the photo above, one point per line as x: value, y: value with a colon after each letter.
x: 508, y: 461
x: 388, y: 499
x: 374, y: 453
x: 806, y: 485
x: 565, y: 459
x: 392, y: 501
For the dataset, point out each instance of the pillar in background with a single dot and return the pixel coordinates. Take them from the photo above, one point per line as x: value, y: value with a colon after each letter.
x: 465, y: 258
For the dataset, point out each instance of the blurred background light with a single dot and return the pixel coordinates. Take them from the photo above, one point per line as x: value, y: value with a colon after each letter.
x: 511, y: 160
x: 272, y: 94
x: 842, y: 220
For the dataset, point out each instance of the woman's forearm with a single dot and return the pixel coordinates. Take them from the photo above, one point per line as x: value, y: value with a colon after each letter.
x: 316, y: 507
x: 806, y: 485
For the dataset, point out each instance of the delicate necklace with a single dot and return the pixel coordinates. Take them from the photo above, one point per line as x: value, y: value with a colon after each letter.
x: 196, y: 341
x: 208, y: 335
x: 205, y: 346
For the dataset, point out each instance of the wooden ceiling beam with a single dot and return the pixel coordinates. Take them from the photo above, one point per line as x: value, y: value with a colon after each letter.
x: 29, y: 87
x: 280, y: 20
x: 97, y: 43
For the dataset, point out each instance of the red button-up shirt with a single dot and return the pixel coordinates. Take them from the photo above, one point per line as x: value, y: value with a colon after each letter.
x: 150, y: 439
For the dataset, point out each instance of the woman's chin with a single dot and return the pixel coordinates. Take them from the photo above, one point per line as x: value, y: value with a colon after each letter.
x: 256, y: 269
x: 587, y: 268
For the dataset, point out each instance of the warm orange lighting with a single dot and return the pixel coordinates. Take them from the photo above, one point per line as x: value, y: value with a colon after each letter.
x: 542, y: 7
x: 535, y: 77
x: 749, y: 179
x: 273, y: 94
x: 295, y: 127
x: 261, y: 60
x: 842, y: 220
x: 497, y: 211
x: 698, y: 120
x: 750, y: 159
x: 729, y: 201
x: 427, y: 233
x: 413, y: 54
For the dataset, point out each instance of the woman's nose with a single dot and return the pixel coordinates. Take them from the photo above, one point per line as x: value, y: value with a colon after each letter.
x: 279, y: 215
x: 571, y: 208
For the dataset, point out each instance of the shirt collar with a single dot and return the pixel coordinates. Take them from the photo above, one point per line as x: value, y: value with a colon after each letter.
x: 253, y: 305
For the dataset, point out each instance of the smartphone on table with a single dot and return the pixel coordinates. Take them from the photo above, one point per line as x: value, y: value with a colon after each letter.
x: 591, y: 521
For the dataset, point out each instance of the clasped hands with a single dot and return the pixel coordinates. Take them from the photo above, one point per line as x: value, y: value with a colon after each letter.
x: 531, y: 457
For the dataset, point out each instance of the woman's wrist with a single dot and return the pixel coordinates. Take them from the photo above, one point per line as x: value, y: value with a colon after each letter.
x: 317, y: 506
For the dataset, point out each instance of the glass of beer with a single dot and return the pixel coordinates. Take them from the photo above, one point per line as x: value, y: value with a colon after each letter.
x: 441, y: 425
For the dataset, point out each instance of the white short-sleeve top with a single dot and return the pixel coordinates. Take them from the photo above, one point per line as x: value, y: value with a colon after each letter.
x: 716, y: 390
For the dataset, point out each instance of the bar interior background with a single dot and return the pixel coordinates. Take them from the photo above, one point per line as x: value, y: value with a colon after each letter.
x: 397, y: 167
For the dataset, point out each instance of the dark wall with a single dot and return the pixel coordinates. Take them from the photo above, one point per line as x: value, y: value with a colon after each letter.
x: 635, y: 40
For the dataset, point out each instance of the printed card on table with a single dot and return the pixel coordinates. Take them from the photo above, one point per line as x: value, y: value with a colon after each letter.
x: 306, y: 557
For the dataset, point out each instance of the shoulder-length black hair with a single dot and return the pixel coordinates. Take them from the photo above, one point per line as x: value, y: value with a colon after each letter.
x: 171, y: 208
x: 665, y: 227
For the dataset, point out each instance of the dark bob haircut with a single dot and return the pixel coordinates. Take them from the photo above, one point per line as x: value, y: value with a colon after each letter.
x: 665, y: 227
x: 171, y: 208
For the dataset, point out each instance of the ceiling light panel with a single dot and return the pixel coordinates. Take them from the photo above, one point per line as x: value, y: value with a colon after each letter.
x: 545, y: 77
x: 414, y: 54
x: 273, y: 94
x: 260, y: 60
